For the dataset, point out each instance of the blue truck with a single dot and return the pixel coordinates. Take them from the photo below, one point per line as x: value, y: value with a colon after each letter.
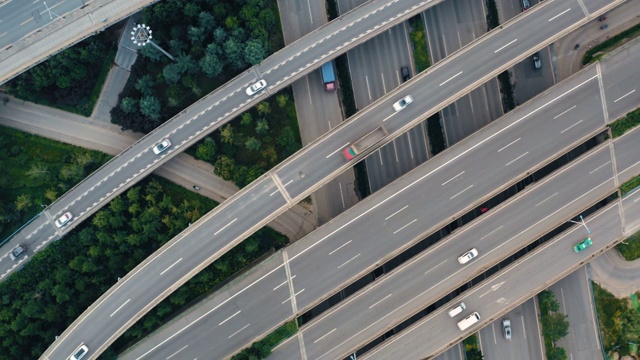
x: 328, y: 76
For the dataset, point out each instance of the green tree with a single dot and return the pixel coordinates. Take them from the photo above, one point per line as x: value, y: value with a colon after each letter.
x: 191, y: 9
x: 146, y: 85
x: 474, y: 354
x: 224, y: 167
x: 38, y: 171
x: 172, y: 73
x: 196, y: 35
x: 206, y: 150
x: 23, y: 201
x: 262, y: 127
x: 252, y: 143
x: 177, y: 46
x: 227, y: 135
x: 282, y: 100
x: 233, y: 50
x: 206, y: 21
x: 151, y: 53
x: 150, y: 107
x: 254, y: 52
x: 210, y: 63
x: 556, y: 353
x: 246, y: 118
x: 51, y: 194
x: 548, y: 301
x: 555, y: 326
x: 129, y: 105
x: 263, y: 108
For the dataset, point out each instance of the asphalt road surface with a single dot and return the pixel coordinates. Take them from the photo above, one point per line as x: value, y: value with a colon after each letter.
x: 506, y: 290
x: 337, y: 253
x: 19, y: 18
x: 298, y: 177
x: 526, y: 342
x: 436, y: 272
x: 576, y: 301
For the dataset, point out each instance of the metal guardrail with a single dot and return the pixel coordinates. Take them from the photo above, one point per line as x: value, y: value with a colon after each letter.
x: 21, y: 227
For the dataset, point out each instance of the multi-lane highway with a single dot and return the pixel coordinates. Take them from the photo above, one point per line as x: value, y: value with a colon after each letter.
x: 394, y: 217
x: 436, y: 271
x: 297, y: 177
x: 507, y: 289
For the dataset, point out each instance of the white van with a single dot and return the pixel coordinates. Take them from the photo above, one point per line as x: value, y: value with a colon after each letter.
x: 468, y: 321
x: 457, y: 310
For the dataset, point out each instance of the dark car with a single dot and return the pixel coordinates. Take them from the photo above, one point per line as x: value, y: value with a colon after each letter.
x: 406, y: 74
x: 19, y: 250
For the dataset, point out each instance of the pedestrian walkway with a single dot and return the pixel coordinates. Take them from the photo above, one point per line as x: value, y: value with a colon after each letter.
x: 615, y: 274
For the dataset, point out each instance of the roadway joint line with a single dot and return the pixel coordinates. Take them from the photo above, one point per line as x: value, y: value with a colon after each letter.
x: 279, y: 185
x: 603, y: 98
x: 292, y: 292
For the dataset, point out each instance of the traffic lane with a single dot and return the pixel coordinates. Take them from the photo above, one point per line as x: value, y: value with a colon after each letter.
x: 595, y: 5
x: 505, y: 290
x: 19, y: 18
x: 171, y: 265
x: 574, y: 295
x: 430, y: 95
x: 621, y: 85
x: 529, y: 81
x: 454, y: 186
x: 289, y: 350
x: 217, y: 328
x: 502, y: 232
x: 494, y: 345
x: 626, y: 149
x: 453, y: 353
x: 631, y: 207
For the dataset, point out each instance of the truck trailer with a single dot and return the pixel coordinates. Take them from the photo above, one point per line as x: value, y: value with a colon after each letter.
x: 365, y: 142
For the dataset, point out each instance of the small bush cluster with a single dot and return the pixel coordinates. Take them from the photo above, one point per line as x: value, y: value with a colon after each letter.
x: 628, y: 122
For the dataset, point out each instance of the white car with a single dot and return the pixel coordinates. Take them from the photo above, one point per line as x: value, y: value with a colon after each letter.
x: 162, y: 146
x: 80, y: 352
x: 506, y: 328
x: 64, y: 219
x: 403, y: 103
x: 253, y: 89
x: 464, y: 258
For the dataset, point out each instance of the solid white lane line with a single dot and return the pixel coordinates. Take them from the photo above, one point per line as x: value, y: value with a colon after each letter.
x: 395, y: 213
x: 482, y: 238
x: 524, y: 329
x: 624, y: 96
x: 379, y: 301
x: 174, y: 354
x: 397, y: 231
x: 599, y: 167
x: 236, y: 333
x: 516, y: 159
x: 324, y: 336
x: 514, y: 40
x: 569, y: 128
x: 562, y: 13
x: 348, y: 261
x: 224, y: 227
x: 433, y: 268
x: 509, y: 144
x: 470, y: 186
x: 118, y: 309
x: 343, y: 146
x: 230, y: 317
x: 451, y: 78
x: 172, y: 265
x: 564, y: 112
x: 446, y: 182
x: 546, y: 199
x: 340, y: 247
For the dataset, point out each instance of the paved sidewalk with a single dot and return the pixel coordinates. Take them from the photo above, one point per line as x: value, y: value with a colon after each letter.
x: 97, y: 135
x: 618, y: 276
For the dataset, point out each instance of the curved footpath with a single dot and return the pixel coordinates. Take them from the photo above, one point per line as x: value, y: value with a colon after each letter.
x: 617, y: 275
x: 97, y: 135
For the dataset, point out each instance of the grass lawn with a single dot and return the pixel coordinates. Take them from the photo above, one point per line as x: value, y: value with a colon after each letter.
x: 628, y: 122
x: 419, y: 44
x: 609, y: 310
x: 630, y: 247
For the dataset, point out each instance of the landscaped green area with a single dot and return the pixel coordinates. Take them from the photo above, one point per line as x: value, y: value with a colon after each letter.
x: 598, y: 51
x: 471, y: 348
x: 249, y: 146
x: 70, y: 80
x: 554, y: 325
x: 619, y: 321
x: 211, y: 40
x: 36, y: 171
x: 630, y: 247
x: 262, y: 349
x: 628, y: 122
x: 630, y: 185
x: 419, y: 43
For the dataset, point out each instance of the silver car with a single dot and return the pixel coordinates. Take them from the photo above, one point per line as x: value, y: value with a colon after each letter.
x: 469, y: 255
x: 162, y: 146
x: 80, y: 352
x: 64, y: 219
x: 19, y: 250
x: 254, y: 88
x: 403, y: 103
